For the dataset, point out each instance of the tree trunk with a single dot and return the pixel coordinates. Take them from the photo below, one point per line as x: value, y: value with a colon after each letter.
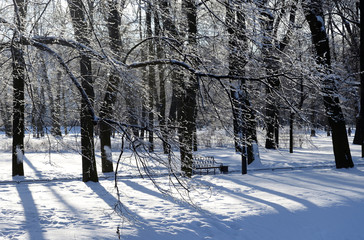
x: 64, y: 111
x: 18, y: 64
x: 54, y: 105
x: 106, y: 109
x: 271, y: 62
x: 162, y: 83
x: 271, y: 52
x: 5, y: 112
x: 187, y: 116
x: 358, y: 139
x: 291, y: 122
x: 82, y: 34
x: 243, y: 114
x: 361, y: 52
x: 177, y: 76
x: 315, y: 18
x: 151, y: 77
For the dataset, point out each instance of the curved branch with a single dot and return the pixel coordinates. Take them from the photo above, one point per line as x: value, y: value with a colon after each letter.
x: 196, y: 72
x: 45, y: 48
x: 148, y: 39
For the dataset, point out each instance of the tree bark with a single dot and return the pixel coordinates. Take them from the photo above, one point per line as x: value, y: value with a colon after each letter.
x: 106, y: 109
x: 18, y: 64
x: 187, y: 116
x: 243, y: 114
x: 271, y: 62
x: 161, y: 107
x: 5, y: 112
x: 82, y: 34
x: 54, y: 105
x: 177, y: 76
x: 314, y: 15
x: 361, y: 52
x: 151, y: 78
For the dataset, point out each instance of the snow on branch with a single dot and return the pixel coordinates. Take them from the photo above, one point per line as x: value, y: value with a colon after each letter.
x: 88, y: 50
x: 45, y: 48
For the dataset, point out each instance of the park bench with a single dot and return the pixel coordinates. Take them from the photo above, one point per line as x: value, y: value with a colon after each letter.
x: 204, y: 164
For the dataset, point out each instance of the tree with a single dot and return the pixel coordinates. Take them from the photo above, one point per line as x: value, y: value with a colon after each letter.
x: 361, y: 113
x: 187, y: 111
x: 53, y: 102
x: 169, y: 29
x: 106, y: 110
x: 315, y: 17
x: 151, y: 75
x: 19, y: 74
x: 82, y: 33
x: 271, y: 65
x: 242, y: 111
x: 162, y: 103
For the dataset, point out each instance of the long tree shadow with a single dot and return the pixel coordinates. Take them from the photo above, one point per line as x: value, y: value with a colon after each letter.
x: 120, y: 209
x: 30, y: 164
x: 339, y: 183
x: 207, y: 220
x: 291, y: 197
x: 112, y: 201
x: 304, y: 181
x: 50, y: 187
x: 244, y: 196
x: 164, y: 228
x: 32, y: 219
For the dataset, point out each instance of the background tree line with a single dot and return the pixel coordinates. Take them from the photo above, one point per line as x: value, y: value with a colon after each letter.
x: 158, y: 70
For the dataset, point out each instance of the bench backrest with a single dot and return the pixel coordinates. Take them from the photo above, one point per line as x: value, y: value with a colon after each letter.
x: 207, y: 161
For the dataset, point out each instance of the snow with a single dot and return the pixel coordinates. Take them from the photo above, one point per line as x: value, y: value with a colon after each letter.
x: 321, y: 20
x: 108, y: 153
x: 19, y: 155
x: 287, y: 196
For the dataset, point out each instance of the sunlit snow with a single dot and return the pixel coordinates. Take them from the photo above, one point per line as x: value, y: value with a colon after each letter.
x: 287, y: 196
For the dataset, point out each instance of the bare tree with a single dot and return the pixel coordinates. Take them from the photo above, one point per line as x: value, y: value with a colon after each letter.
x: 315, y: 17
x: 187, y: 110
x: 19, y: 74
x: 83, y: 33
x: 106, y: 110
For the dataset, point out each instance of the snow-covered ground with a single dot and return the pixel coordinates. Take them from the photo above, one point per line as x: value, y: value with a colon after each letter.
x: 304, y: 197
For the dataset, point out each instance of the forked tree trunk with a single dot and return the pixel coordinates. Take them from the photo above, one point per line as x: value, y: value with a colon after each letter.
x: 243, y: 114
x: 314, y: 15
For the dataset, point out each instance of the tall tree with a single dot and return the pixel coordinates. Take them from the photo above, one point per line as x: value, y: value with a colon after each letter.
x: 53, y: 102
x: 315, y: 17
x: 187, y: 110
x: 151, y: 76
x: 170, y: 30
x: 243, y: 115
x: 271, y: 65
x: 106, y: 110
x: 5, y: 113
x: 361, y: 114
x: 162, y: 100
x: 19, y: 73
x: 82, y: 34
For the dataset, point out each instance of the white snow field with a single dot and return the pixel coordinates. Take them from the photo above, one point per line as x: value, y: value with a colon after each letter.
x: 287, y: 197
